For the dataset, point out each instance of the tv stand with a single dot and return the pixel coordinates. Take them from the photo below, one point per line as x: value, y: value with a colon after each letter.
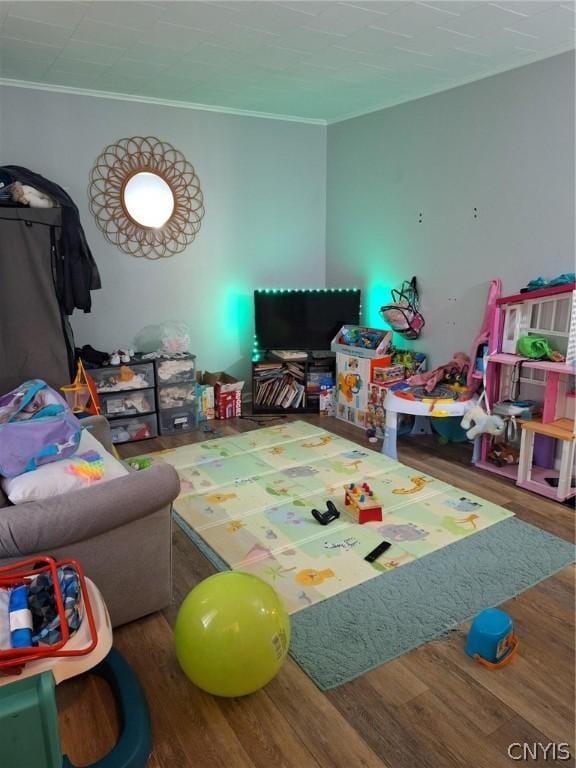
x: 271, y: 376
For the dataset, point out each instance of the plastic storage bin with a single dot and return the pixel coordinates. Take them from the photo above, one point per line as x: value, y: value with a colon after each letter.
x: 175, y: 420
x: 127, y: 403
x: 176, y: 395
x: 123, y: 377
x: 176, y: 370
x: 135, y: 428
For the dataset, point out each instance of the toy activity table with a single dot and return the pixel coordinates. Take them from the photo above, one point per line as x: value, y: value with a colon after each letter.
x: 422, y: 410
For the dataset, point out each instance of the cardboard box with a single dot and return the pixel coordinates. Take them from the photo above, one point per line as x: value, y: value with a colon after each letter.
x: 204, y: 398
x: 388, y: 374
x: 353, y: 377
x: 356, y: 416
x: 379, y: 341
x: 227, y: 394
x: 327, y: 405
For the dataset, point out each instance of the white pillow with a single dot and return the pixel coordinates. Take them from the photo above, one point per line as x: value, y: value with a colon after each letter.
x: 59, y: 476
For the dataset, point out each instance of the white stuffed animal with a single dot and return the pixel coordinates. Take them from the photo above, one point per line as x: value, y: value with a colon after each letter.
x: 22, y: 193
x: 483, y: 422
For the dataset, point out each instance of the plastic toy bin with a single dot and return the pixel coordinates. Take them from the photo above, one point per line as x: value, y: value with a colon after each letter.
x: 175, y: 420
x: 127, y: 403
x: 176, y: 370
x: 123, y: 377
x: 176, y: 395
x: 134, y: 428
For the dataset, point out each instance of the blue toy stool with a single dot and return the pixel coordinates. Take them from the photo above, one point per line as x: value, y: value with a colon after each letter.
x: 491, y: 640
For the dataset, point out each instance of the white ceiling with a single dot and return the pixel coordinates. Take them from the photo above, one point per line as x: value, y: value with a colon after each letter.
x: 311, y: 60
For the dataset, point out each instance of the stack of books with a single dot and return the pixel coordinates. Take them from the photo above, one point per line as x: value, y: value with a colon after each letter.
x: 278, y: 385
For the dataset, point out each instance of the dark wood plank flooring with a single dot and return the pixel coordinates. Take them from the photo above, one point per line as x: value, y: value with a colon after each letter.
x: 432, y: 708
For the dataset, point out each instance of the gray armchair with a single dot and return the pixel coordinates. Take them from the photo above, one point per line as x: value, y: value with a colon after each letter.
x: 120, y: 531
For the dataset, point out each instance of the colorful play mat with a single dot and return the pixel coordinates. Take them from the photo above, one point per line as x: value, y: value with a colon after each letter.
x: 250, y: 496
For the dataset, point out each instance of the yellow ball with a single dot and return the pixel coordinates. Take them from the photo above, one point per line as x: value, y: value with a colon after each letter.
x: 232, y: 634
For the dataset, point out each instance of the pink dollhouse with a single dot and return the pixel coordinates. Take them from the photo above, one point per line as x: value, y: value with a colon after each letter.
x: 538, y: 450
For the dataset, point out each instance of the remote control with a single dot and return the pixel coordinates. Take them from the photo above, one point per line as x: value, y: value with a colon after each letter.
x: 379, y: 550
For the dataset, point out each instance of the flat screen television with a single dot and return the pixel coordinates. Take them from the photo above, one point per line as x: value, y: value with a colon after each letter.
x: 303, y: 319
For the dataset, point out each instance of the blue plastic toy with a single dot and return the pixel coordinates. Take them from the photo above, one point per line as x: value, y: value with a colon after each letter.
x: 491, y: 640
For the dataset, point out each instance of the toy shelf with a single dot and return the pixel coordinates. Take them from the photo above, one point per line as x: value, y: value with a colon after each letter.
x: 504, y: 358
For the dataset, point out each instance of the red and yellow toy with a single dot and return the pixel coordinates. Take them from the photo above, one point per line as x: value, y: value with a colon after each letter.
x: 363, y: 502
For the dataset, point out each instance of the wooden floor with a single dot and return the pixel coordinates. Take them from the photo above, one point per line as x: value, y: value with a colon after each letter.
x: 432, y: 708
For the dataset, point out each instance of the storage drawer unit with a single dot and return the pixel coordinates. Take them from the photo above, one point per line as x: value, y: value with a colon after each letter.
x: 176, y: 370
x: 122, y: 378
x: 127, y: 403
x: 176, y: 395
x: 175, y: 420
x: 134, y: 428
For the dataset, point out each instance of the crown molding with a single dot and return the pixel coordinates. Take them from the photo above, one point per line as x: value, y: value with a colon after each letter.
x: 52, y: 88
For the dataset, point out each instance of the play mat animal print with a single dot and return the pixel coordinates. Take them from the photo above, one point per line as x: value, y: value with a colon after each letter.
x: 250, y: 496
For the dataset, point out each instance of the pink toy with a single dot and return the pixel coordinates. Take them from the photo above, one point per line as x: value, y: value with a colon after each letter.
x: 363, y: 501
x: 459, y: 365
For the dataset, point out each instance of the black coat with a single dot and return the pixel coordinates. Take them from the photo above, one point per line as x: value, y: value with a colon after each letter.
x: 76, y: 270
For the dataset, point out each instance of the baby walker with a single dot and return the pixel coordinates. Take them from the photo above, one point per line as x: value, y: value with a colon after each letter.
x: 76, y: 638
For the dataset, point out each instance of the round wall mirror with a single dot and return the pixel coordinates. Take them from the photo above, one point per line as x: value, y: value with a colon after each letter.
x: 148, y: 199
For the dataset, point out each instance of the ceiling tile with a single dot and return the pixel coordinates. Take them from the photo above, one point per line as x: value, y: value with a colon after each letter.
x: 206, y: 16
x: 126, y: 14
x: 190, y: 71
x: 344, y: 19
x: 306, y: 39
x: 87, y: 68
x: 373, y: 40
x: 140, y: 69
x: 63, y: 14
x: 12, y: 47
x: 451, y: 7
x: 382, y: 7
x: 273, y: 18
x: 98, y: 54
x: 110, y: 80
x: 164, y: 87
x: 22, y: 69
x: 241, y: 38
x: 334, y: 56
x: 106, y: 34
x: 153, y: 55
x: 553, y: 24
x: 35, y: 31
x: 215, y: 55
x: 271, y: 57
x: 172, y: 36
x: 74, y: 79
x: 524, y: 7
x: 413, y: 17
x: 307, y: 7
x: 482, y: 20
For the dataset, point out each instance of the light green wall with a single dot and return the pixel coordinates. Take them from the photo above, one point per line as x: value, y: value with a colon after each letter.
x: 504, y: 145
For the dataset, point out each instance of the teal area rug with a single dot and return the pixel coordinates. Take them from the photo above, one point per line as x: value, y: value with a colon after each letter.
x: 346, y: 635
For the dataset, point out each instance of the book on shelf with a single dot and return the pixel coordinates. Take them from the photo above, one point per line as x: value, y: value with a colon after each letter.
x: 286, y: 354
x: 282, y: 391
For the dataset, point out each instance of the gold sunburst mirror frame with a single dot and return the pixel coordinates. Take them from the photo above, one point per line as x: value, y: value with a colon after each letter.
x: 146, y: 197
